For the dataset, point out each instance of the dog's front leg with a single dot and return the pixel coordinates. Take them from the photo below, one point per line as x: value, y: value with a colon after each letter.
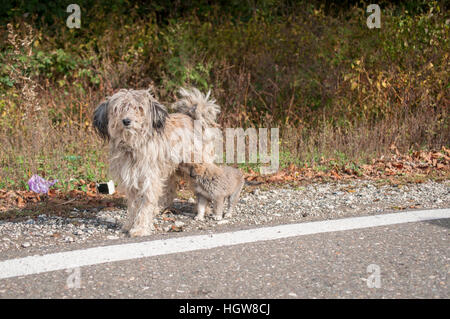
x: 145, y: 209
x: 131, y: 212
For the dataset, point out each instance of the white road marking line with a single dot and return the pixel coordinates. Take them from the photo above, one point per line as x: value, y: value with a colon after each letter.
x: 105, y: 254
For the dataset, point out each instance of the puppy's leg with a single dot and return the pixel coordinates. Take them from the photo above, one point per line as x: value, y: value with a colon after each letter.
x: 202, y: 203
x: 207, y: 208
x: 218, y: 208
x: 234, y: 198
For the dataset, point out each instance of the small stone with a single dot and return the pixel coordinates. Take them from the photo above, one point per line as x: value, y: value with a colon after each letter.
x: 68, y: 239
x: 26, y: 245
x: 179, y: 223
x: 176, y: 229
x: 191, y: 200
x: 108, y: 219
x: 112, y: 237
x: 292, y: 294
x: 223, y: 221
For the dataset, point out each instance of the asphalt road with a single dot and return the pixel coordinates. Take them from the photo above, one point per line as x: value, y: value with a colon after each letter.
x: 409, y: 260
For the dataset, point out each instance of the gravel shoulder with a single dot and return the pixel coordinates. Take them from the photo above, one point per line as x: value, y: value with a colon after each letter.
x: 264, y: 205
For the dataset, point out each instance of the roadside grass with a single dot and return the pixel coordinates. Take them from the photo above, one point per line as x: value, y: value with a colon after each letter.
x: 72, y: 171
x: 341, y: 94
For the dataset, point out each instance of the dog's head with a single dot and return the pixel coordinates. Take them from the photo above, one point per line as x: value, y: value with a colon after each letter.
x: 129, y: 117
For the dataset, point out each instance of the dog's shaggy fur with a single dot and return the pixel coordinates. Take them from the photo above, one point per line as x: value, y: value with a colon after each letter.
x: 215, y: 184
x: 146, y: 146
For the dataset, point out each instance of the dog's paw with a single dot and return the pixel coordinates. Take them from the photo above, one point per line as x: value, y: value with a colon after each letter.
x: 140, y: 232
x: 200, y: 218
x: 228, y: 215
x: 217, y: 217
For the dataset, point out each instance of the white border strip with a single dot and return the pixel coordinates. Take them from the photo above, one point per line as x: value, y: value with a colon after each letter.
x: 106, y: 254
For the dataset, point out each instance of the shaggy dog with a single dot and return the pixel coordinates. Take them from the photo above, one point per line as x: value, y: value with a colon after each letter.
x: 147, y: 144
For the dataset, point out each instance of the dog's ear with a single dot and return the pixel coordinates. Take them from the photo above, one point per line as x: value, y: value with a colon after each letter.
x: 159, y: 116
x: 101, y: 120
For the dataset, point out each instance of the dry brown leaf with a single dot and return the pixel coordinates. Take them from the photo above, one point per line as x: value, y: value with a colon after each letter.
x: 20, y: 202
x: 91, y: 194
x: 51, y: 193
x: 176, y: 229
x: 437, y: 155
x: 398, y: 165
x: 335, y: 175
x: 277, y: 177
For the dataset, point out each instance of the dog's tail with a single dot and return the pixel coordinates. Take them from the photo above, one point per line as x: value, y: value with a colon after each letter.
x: 198, y: 106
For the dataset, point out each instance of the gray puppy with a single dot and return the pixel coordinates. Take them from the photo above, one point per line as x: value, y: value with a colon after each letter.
x: 215, y: 184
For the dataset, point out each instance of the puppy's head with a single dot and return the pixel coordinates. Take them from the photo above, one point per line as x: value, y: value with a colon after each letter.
x: 129, y: 118
x: 185, y: 168
x: 193, y: 170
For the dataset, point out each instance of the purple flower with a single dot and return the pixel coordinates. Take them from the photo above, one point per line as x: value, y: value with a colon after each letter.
x: 39, y: 185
